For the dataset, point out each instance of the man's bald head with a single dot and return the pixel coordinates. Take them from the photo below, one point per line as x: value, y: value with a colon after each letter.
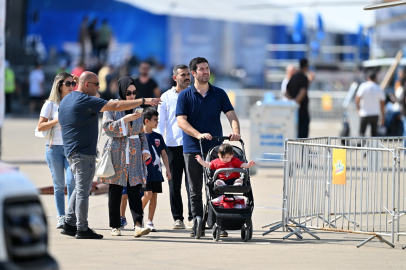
x: 290, y: 71
x: 88, y: 83
x: 87, y: 76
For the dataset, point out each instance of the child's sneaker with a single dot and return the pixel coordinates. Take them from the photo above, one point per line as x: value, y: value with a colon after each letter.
x: 220, y: 183
x: 150, y: 225
x: 238, y: 182
x: 123, y: 222
x: 115, y: 232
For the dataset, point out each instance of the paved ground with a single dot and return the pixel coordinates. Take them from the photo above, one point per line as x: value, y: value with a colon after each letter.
x: 175, y: 249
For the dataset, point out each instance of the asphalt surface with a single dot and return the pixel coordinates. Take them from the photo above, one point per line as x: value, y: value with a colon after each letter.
x: 175, y: 249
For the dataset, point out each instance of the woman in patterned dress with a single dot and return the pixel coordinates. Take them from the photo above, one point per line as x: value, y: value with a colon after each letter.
x: 129, y: 151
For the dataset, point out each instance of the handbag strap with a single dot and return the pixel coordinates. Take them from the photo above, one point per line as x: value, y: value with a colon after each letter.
x: 100, y: 132
x: 51, y: 138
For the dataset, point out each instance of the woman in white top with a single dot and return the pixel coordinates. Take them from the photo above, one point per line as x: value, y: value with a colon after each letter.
x: 54, y: 153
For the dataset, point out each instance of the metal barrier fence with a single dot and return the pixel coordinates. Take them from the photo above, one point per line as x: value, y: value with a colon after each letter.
x: 354, y: 185
x: 322, y: 104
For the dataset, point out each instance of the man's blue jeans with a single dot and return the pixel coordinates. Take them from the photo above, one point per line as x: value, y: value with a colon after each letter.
x: 83, y: 169
x: 61, y: 172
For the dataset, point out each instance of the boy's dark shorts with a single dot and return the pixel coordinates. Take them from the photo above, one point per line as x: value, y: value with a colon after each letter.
x: 155, y: 187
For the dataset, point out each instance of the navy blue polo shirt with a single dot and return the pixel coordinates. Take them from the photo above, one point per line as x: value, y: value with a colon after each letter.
x: 203, y: 114
x: 78, y: 117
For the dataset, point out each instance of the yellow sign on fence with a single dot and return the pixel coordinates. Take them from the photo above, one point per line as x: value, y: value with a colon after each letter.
x: 339, y: 166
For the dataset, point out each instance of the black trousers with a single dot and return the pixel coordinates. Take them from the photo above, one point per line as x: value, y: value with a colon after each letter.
x: 9, y: 100
x: 369, y: 120
x: 134, y: 200
x: 177, y: 167
x: 303, y: 129
x: 194, y: 172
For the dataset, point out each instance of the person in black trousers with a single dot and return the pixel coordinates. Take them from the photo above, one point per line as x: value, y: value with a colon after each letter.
x: 198, y: 112
x: 296, y: 90
x: 174, y: 140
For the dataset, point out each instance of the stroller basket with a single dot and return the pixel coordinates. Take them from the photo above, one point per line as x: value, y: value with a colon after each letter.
x: 230, y: 220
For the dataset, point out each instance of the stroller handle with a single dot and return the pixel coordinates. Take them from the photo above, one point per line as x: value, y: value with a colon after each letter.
x: 220, y: 138
x: 223, y: 138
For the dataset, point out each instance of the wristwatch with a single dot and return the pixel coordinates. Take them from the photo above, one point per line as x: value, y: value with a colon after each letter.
x: 143, y: 101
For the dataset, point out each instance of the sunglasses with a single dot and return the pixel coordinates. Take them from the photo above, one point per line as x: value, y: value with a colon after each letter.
x: 69, y: 83
x: 95, y: 83
x: 129, y: 93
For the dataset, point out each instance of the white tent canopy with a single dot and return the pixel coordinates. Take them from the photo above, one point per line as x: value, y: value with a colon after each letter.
x: 338, y: 16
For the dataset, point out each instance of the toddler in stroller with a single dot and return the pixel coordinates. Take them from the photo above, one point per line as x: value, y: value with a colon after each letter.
x: 226, y: 178
x: 226, y: 159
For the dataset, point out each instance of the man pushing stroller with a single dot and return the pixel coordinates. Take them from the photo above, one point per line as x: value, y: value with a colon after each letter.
x: 198, y: 113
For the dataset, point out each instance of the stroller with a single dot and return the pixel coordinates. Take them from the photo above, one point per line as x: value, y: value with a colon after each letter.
x: 219, y: 218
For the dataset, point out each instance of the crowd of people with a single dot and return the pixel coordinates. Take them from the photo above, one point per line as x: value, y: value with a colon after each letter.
x: 181, y: 117
x: 370, y: 101
x: 98, y: 39
x: 144, y: 127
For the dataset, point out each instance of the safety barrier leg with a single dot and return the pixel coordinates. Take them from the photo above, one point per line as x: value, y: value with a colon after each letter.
x: 379, y: 237
x: 298, y: 230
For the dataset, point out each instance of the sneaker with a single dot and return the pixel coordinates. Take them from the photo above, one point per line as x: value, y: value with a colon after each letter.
x: 178, y: 225
x: 151, y: 226
x: 61, y: 221
x: 223, y: 233
x: 238, y: 182
x: 190, y: 224
x: 220, y: 183
x: 115, y: 232
x: 138, y: 231
x: 88, y: 234
x: 68, y: 229
x: 123, y: 222
x: 192, y: 234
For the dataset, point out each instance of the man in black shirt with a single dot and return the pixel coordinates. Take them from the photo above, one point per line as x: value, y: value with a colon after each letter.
x: 297, y: 90
x: 146, y: 86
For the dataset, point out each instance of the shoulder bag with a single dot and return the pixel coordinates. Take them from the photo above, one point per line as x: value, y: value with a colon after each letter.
x: 47, y: 134
x: 104, y: 165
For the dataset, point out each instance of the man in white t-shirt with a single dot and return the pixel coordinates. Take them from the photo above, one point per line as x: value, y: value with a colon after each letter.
x: 174, y: 140
x: 370, y: 100
x: 290, y: 71
x: 36, y: 81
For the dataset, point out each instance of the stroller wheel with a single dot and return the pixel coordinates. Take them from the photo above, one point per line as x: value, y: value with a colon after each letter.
x: 245, y: 233
x: 216, y: 233
x: 198, y: 227
x: 205, y: 213
x: 251, y: 229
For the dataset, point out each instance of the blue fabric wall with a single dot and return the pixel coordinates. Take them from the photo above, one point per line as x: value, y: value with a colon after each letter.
x: 59, y: 21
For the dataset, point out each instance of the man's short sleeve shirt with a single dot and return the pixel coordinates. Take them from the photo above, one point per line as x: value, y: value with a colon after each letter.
x: 78, y: 117
x: 297, y: 82
x: 203, y: 114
